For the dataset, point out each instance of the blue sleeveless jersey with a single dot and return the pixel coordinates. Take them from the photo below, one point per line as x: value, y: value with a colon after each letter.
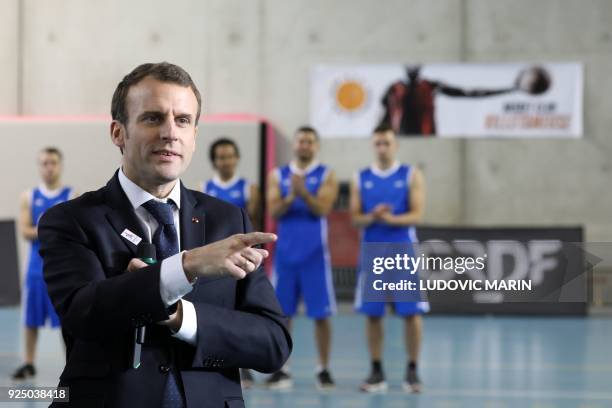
x: 39, y: 204
x: 391, y: 188
x: 236, y: 193
x: 301, y: 233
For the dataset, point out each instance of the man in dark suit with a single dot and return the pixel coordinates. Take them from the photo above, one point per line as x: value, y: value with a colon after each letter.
x: 207, y: 305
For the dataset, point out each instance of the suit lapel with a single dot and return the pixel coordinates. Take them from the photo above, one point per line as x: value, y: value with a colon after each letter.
x: 192, y: 221
x: 122, y: 215
x: 192, y: 230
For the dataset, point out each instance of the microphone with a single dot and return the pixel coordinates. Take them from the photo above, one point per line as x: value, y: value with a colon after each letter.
x: 147, y: 253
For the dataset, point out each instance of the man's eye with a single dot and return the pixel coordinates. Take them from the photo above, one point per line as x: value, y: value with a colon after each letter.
x: 183, y: 121
x: 150, y: 119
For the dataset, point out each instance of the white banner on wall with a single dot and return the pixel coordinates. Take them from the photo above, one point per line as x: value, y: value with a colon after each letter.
x: 449, y: 100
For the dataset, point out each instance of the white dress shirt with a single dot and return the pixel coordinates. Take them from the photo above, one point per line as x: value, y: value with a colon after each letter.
x: 173, y: 284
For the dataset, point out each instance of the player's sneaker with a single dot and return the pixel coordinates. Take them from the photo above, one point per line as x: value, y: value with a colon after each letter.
x: 280, y: 380
x: 246, y: 378
x: 374, y: 383
x: 325, y: 380
x: 412, y: 383
x: 24, y: 372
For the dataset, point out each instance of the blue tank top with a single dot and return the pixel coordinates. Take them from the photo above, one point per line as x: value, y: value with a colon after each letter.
x: 237, y: 192
x: 391, y: 187
x: 301, y: 233
x: 39, y: 203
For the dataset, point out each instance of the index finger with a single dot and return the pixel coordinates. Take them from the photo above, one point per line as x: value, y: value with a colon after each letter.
x: 256, y: 238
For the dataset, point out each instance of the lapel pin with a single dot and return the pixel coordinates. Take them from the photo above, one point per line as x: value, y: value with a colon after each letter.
x: 195, y: 220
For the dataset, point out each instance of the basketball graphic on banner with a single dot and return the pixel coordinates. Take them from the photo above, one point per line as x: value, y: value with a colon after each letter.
x: 350, y: 95
x: 534, y: 80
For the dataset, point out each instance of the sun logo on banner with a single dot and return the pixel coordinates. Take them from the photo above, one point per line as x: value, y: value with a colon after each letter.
x: 350, y: 96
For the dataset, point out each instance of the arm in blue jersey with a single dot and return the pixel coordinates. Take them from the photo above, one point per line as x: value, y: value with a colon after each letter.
x: 277, y: 205
x: 416, y: 204
x: 26, y: 224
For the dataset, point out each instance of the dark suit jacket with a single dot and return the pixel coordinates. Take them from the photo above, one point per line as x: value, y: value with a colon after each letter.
x: 240, y: 323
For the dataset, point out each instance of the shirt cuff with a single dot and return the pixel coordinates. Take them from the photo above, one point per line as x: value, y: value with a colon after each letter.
x: 173, y: 283
x: 189, y: 327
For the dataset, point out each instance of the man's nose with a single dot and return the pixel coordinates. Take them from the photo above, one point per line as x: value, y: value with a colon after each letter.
x: 168, y: 130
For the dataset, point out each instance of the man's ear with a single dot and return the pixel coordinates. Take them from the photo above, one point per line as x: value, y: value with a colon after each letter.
x: 117, y: 134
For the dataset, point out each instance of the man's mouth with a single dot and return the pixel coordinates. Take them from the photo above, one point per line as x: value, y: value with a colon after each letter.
x: 166, y: 153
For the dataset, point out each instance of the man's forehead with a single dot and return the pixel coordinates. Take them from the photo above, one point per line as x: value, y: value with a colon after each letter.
x: 48, y: 156
x: 226, y: 148
x: 387, y: 136
x: 152, y: 94
x: 305, y: 134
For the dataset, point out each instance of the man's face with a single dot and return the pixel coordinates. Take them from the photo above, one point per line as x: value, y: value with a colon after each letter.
x: 158, y: 139
x: 385, y: 146
x: 49, y: 167
x: 305, y: 146
x: 226, y: 159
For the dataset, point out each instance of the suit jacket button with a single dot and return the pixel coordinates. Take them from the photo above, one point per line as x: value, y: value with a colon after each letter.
x: 164, y: 369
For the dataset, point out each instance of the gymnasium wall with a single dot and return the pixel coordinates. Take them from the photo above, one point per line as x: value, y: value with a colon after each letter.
x: 61, y: 58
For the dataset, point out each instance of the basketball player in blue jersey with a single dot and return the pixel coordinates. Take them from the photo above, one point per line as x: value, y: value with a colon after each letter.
x: 300, y: 196
x: 387, y: 200
x: 228, y: 186
x: 33, y: 203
